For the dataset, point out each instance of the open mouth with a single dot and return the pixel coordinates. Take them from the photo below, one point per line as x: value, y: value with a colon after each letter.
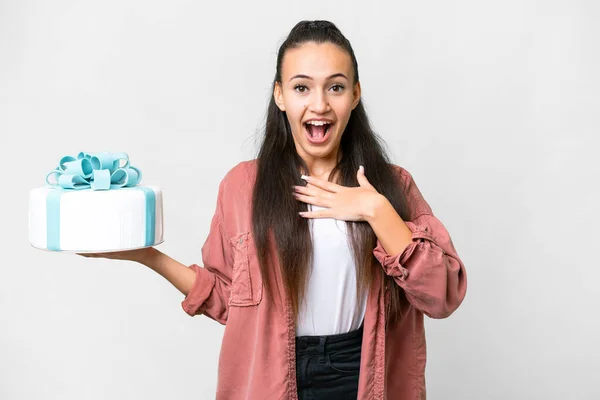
x: 318, y: 132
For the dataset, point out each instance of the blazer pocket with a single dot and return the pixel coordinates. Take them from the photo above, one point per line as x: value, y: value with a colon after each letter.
x: 246, y: 282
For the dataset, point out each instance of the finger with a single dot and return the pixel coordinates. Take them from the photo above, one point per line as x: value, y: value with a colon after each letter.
x: 323, y: 184
x: 362, y: 179
x: 311, y: 190
x: 93, y: 255
x: 317, y: 201
x: 326, y: 213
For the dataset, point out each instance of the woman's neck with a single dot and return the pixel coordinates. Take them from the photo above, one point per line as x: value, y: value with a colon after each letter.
x: 320, y: 168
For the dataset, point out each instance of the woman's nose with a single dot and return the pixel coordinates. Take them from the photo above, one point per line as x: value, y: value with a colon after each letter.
x: 319, y: 103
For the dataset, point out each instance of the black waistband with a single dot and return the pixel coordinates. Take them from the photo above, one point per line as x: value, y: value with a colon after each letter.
x: 333, y: 342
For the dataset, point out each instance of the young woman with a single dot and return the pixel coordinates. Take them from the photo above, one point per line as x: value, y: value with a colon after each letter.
x: 322, y: 256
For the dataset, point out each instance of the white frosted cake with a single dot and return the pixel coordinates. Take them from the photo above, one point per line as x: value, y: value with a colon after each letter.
x: 86, y: 216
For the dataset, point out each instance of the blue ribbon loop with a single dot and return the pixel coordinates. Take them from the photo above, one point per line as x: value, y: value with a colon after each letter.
x: 96, y: 171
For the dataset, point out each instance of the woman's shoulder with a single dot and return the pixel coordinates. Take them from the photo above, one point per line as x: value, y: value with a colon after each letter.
x: 241, y: 171
x: 239, y: 179
x: 402, y: 173
x: 414, y: 197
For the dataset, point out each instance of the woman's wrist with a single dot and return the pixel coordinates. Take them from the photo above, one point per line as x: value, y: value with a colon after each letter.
x: 374, y: 207
x: 148, y: 256
x: 180, y: 275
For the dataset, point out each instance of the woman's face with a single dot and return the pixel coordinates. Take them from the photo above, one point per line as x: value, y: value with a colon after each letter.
x: 317, y: 95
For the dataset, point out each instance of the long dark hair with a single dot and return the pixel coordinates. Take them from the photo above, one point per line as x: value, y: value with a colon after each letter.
x: 274, y: 209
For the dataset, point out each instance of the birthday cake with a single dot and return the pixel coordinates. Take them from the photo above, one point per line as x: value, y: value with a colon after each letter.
x: 94, y: 203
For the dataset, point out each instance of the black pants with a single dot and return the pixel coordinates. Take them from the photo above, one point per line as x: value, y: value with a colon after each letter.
x: 327, y: 367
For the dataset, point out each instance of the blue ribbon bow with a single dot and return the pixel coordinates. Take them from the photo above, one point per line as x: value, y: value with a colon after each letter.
x: 96, y: 171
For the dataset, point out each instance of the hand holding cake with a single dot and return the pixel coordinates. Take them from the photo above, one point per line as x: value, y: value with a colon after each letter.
x: 137, y: 255
x: 94, y: 206
x: 172, y: 270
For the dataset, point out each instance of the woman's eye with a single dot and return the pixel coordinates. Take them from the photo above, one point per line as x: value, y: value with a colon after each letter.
x: 337, y: 88
x: 300, y: 88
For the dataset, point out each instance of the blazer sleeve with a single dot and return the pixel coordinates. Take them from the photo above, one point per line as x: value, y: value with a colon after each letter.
x: 428, y: 269
x: 209, y: 294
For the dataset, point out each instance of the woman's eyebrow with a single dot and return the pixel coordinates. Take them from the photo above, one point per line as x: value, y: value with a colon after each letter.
x: 301, y: 76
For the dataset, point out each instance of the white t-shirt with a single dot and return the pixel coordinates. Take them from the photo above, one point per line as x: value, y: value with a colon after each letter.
x: 330, y: 304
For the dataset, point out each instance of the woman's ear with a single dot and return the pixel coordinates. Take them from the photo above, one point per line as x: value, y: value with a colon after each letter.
x: 278, y: 96
x: 356, y: 93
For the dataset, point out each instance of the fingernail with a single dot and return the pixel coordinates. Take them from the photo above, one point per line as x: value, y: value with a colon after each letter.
x: 361, y: 168
x: 305, y: 177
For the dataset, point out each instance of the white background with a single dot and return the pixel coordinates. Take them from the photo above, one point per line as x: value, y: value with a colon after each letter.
x: 492, y: 106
